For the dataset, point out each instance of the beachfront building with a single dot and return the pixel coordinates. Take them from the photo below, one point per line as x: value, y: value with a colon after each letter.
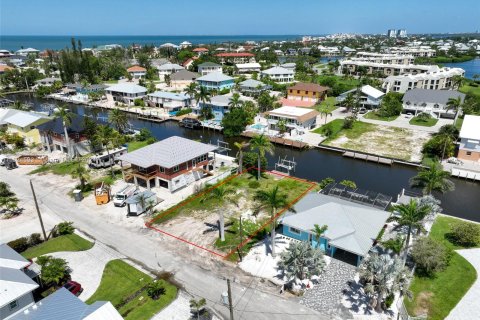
x: 216, y: 81
x: 296, y: 119
x: 436, y: 80
x: 167, y: 69
x: 235, y: 57
x: 469, y: 148
x: 172, y: 163
x: 278, y: 74
x: 200, y: 51
x: 170, y: 101
x: 209, y: 67
x: 416, y: 51
x: 27, y: 52
x: 369, y: 98
x: 251, y: 87
x: 52, y: 137
x: 307, y: 92
x: 24, y: 124
x: 182, y: 79
x: 248, y: 67
x: 433, y: 102
x: 125, y: 93
x: 351, y: 66
x: 137, y: 72
x: 351, y: 227
x: 17, y: 276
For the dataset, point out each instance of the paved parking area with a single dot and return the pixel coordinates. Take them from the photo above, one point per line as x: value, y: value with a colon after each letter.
x: 403, y: 122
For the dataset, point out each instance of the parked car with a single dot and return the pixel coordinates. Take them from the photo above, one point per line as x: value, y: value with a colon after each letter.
x: 408, y: 115
x: 454, y: 161
x: 362, y: 110
x: 10, y: 164
x: 74, y: 287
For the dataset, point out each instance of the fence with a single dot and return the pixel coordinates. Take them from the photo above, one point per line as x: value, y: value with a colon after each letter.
x: 222, y: 176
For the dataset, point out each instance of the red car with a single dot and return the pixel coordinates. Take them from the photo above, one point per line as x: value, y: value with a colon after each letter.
x: 74, y: 287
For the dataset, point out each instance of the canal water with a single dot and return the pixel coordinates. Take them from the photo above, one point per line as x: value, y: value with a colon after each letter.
x: 471, y: 67
x: 315, y: 165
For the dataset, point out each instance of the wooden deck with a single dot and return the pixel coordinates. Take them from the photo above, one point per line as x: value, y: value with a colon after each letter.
x: 277, y: 140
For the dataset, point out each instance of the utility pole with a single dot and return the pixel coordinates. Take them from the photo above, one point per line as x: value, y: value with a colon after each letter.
x: 230, y: 304
x: 241, y: 240
x: 38, y: 211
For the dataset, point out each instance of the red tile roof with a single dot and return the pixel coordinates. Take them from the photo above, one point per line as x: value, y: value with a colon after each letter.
x: 297, y: 103
x: 136, y: 69
x: 235, y: 54
x: 200, y: 49
x: 4, y: 68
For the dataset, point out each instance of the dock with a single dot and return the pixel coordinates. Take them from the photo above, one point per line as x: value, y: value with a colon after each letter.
x: 367, y: 157
x: 465, y: 174
x: 278, y: 140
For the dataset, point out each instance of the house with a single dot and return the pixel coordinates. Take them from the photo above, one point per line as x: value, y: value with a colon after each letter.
x: 185, y: 44
x: 307, y: 92
x: 169, y: 45
x: 47, y: 82
x: 24, y: 124
x: 200, y: 51
x: 182, y: 79
x: 172, y: 163
x: 235, y: 57
x: 81, y: 91
x: 167, y: 69
x: 189, y: 62
x: 137, y: 72
x: 218, y: 104
x: 352, y: 66
x: 5, y: 53
x: 296, y: 103
x: 433, y: 102
x: 4, y: 68
x: 351, y: 227
x: 370, y: 97
x: 278, y: 74
x: 248, y: 67
x: 289, y: 65
x: 209, y: 67
x: 28, y: 51
x: 16, y: 282
x: 296, y: 119
x: 216, y: 81
x: 253, y: 87
x: 470, y: 139
x: 171, y: 102
x: 62, y: 304
x: 125, y: 93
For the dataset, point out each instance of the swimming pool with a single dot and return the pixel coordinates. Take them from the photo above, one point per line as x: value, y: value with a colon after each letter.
x: 258, y: 126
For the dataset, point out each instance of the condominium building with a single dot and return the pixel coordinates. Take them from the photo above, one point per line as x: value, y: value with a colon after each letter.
x: 384, y: 58
x: 420, y: 51
x: 391, y: 33
x: 278, y: 74
x: 351, y: 67
x: 433, y: 80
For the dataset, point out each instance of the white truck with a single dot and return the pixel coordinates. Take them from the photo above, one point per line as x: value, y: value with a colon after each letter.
x: 126, y: 191
x: 106, y: 159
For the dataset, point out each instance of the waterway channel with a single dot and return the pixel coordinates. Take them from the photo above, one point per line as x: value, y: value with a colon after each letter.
x: 315, y: 164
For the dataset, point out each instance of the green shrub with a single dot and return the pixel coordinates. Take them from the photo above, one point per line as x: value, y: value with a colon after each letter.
x: 156, y: 289
x: 64, y: 228
x: 430, y: 256
x: 395, y: 245
x: 139, y: 103
x: 389, y: 300
x: 325, y: 182
x: 465, y: 234
x: 348, y: 123
x: 19, y: 245
x: 184, y: 111
x: 254, y: 184
x: 349, y: 184
x: 35, y: 238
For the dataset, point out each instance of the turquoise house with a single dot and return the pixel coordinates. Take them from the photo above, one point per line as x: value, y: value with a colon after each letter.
x: 216, y: 81
x: 352, y: 228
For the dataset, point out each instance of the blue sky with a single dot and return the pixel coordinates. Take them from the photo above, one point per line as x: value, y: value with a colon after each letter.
x: 208, y: 17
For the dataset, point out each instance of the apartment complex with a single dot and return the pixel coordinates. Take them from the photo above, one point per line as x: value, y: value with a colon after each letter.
x: 420, y: 51
x: 352, y: 66
x: 384, y: 58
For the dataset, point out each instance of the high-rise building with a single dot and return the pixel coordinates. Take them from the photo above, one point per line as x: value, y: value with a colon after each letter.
x: 391, y: 33
x: 401, y: 33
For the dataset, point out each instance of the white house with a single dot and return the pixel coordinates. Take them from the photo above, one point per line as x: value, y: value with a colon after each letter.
x: 168, y: 69
x: 125, y: 93
x: 248, y: 67
x: 369, y: 96
x: 433, y: 102
x: 470, y: 139
x: 209, y: 67
x: 168, y: 100
x: 26, y: 52
x: 137, y: 72
x: 278, y: 74
x: 296, y: 119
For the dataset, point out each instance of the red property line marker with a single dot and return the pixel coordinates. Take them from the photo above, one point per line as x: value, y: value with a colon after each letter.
x: 150, y: 223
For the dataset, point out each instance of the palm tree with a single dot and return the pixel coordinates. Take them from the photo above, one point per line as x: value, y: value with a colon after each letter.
x: 196, y: 306
x: 191, y: 90
x: 221, y: 194
x: 349, y: 102
x: 325, y: 112
x: 457, y: 81
x: 240, y: 146
x: 455, y: 104
x: 301, y: 261
x: 433, y: 178
x: 118, y: 119
x: 262, y: 144
x: 82, y: 173
x: 202, y: 96
x: 271, y: 200
x: 410, y: 215
x: 235, y: 101
x: 105, y: 136
x: 67, y: 116
x: 18, y: 105
x: 318, y: 232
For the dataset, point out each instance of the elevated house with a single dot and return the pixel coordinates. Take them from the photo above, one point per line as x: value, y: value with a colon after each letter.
x: 307, y: 92
x: 171, y: 102
x: 218, y: 104
x: 352, y: 228
x: 296, y: 119
x: 253, y: 87
x: 278, y: 74
x: 27, y: 52
x: 235, y: 57
x: 369, y: 97
x: 24, y: 124
x: 469, y: 148
x: 216, y: 81
x: 209, y: 67
x: 200, y: 51
x: 248, y: 67
x: 172, y: 163
x: 168, y: 69
x: 182, y: 79
x: 125, y: 93
x: 433, y: 102
x: 137, y: 72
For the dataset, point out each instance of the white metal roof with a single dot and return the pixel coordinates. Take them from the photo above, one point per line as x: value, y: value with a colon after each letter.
x: 470, y: 127
x: 291, y: 111
x: 372, y: 92
x: 127, y: 88
x: 248, y: 65
x: 23, y: 119
x: 169, y: 95
x: 170, y: 66
x: 278, y: 70
x: 14, y: 284
x: 215, y: 77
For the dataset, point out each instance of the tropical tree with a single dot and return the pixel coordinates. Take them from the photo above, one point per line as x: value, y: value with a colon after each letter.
x: 433, y: 178
x: 67, y: 117
x: 318, y: 232
x: 240, y: 146
x: 282, y: 126
x: 155, y: 289
x: 384, y: 275
x: 82, y: 173
x: 191, y: 90
x: 301, y: 261
x: 105, y: 136
x: 349, y: 102
x: 235, y: 101
x: 221, y: 194
x: 324, y: 112
x: 202, y: 95
x: 262, y: 145
x: 411, y: 216
x: 19, y: 105
x: 53, y: 270
x: 196, y: 306
x: 8, y: 199
x: 271, y: 200
x: 455, y: 104
x: 457, y: 81
x: 118, y: 119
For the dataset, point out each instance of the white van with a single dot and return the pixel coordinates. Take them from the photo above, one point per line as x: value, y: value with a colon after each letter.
x: 104, y: 160
x: 120, y: 197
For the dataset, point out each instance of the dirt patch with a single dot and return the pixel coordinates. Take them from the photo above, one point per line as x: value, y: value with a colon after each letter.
x: 423, y: 303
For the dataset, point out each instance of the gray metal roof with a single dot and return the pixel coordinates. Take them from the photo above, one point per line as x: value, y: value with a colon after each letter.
x: 208, y: 64
x: 184, y: 75
x: 215, y: 77
x: 127, y: 88
x: 351, y: 226
x: 136, y: 198
x: 251, y: 83
x: 14, y: 284
x: 431, y: 96
x: 10, y: 258
x: 167, y: 153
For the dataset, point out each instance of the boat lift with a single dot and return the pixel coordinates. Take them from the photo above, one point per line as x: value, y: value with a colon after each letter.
x: 222, y: 146
x: 285, y: 164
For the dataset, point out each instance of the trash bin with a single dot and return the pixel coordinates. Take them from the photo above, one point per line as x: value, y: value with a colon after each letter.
x: 77, y: 194
x: 225, y: 298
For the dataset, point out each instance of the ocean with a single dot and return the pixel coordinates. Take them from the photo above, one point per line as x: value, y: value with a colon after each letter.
x: 13, y: 43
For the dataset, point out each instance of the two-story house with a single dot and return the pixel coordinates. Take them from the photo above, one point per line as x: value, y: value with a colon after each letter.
x: 24, y: 124
x: 278, y: 74
x: 167, y: 69
x: 216, y: 81
x: 433, y: 102
x: 369, y: 97
x: 170, y: 101
x: 470, y: 139
x: 125, y: 93
x: 307, y: 92
x: 209, y: 67
x: 295, y: 119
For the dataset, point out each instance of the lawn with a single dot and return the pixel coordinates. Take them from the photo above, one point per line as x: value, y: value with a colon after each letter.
x: 416, y: 121
x: 71, y: 242
x: 62, y: 168
x: 327, y: 105
x: 467, y: 88
x: 440, y: 294
x: 459, y: 123
x: 122, y: 282
x: 372, y: 115
x: 135, y: 145
x: 337, y: 129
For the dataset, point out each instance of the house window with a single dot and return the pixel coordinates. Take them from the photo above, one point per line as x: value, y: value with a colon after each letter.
x: 162, y: 170
x: 176, y: 168
x: 13, y: 304
x: 469, y: 153
x: 294, y: 230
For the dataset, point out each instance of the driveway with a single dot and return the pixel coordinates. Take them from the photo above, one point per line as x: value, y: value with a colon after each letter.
x: 403, y: 122
x: 469, y: 308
